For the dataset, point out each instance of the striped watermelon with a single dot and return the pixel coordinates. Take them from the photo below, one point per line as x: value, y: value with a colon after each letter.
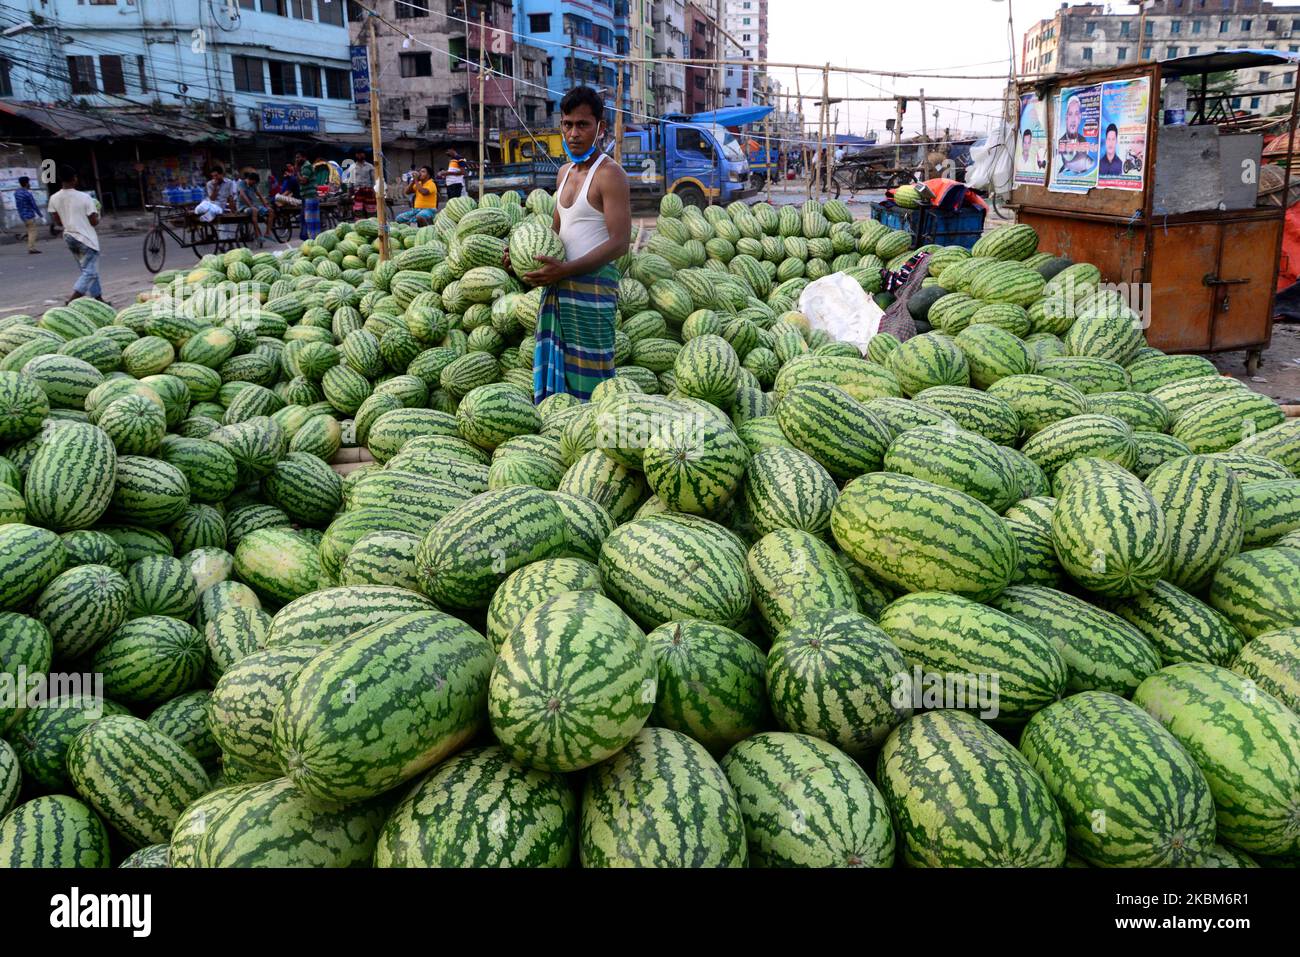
x: 481, y: 809
x: 30, y: 558
x: 148, y: 660
x: 928, y: 360
x: 1101, y: 651
x: 82, y: 607
x: 243, y: 704
x: 1088, y: 374
x: 1218, y: 424
x: 956, y: 640
x: 669, y: 567
x: 278, y: 564
x: 1111, y: 535
x: 429, y: 671
x: 974, y: 411
x: 1082, y: 436
x: 661, y: 802
x: 962, y: 796
x: 382, y: 558
x: 527, y: 587
x: 707, y: 368
x: 134, y: 776
x: 915, y: 535
x: 232, y: 634
x: 1281, y: 444
x: 1039, y: 401
x: 695, y: 465
x: 1272, y: 509
x: 807, y: 804
x: 53, y: 831
x: 1130, y: 795
x: 862, y: 380
x: 787, y: 488
x: 1154, y: 449
x: 184, y: 719
x: 161, y: 585
x: 273, y: 824
x: 792, y: 572
x: 832, y: 674
x: 71, y: 479
x: 1245, y: 741
x: 828, y: 424
x: 1259, y: 591
x: 958, y: 460
x: 23, y: 406
x: 1204, y: 507
x: 1181, y: 627
x: 586, y: 525
x: 1272, y: 662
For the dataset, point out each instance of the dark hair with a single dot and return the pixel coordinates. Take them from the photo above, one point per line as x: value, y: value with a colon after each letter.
x: 1029, y: 133
x: 427, y: 169
x: 67, y: 174
x: 253, y: 176
x: 24, y: 182
x: 215, y: 169
x: 583, y: 96
x: 1112, y: 129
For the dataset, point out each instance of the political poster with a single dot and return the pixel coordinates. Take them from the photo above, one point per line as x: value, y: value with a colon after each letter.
x: 1078, y: 141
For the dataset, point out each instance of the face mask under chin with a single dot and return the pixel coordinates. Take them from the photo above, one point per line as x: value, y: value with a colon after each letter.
x: 595, y: 146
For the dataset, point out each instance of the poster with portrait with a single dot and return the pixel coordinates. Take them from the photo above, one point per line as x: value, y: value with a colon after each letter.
x: 1031, y: 143
x: 1078, y: 139
x: 1124, y: 107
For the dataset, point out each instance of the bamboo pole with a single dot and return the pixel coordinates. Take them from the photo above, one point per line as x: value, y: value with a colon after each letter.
x: 377, y: 143
x: 898, y: 132
x: 618, y: 119
x: 482, y: 129
x: 925, y: 139
x: 767, y: 149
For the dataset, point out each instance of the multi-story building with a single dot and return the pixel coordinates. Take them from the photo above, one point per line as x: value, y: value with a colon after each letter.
x: 579, y: 39
x: 177, y: 85
x: 701, y: 44
x: 634, y: 38
x: 745, y: 23
x: 1085, y: 36
x: 669, y: 42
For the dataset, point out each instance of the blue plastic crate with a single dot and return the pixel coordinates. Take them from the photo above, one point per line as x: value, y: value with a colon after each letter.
x: 930, y: 225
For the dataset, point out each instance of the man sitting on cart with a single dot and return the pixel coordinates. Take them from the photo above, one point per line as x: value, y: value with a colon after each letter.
x: 249, y: 199
x: 219, y: 189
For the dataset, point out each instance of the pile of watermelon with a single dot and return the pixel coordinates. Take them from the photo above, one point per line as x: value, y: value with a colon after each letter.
x: 1018, y: 591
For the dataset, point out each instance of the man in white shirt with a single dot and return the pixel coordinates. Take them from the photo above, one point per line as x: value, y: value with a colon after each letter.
x: 78, y: 215
x: 455, y: 174
x: 361, y: 178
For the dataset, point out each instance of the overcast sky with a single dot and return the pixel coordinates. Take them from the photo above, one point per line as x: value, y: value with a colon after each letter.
x: 933, y: 35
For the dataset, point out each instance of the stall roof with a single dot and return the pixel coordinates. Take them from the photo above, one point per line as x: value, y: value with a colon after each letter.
x: 75, y: 124
x: 1225, y: 60
x: 733, y: 115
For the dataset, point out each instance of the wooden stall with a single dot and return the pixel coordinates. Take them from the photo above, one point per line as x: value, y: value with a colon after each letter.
x: 1176, y: 217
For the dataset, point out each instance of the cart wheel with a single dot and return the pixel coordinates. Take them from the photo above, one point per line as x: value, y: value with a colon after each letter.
x: 203, y: 240
x: 1253, y: 359
x: 155, y: 249
x: 282, y: 228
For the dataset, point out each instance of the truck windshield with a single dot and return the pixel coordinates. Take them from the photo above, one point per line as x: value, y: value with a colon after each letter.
x: 731, y: 147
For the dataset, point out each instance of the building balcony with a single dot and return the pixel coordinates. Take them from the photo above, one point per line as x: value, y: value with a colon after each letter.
x: 497, y: 91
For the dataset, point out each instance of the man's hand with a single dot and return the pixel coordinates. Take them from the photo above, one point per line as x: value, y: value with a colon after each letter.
x: 505, y: 260
x: 550, y: 273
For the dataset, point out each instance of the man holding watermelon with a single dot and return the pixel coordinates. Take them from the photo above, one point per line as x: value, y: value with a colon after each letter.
x: 593, y: 216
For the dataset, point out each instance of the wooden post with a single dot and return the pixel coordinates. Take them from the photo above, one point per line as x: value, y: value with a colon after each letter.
x: 482, y: 128
x: 925, y: 139
x: 767, y: 148
x: 376, y: 143
x: 824, y: 131
x: 803, y: 135
x: 618, y: 118
x: 1142, y: 31
x: 898, y: 132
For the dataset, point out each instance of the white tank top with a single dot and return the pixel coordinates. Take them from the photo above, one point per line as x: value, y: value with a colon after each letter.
x: 582, y: 227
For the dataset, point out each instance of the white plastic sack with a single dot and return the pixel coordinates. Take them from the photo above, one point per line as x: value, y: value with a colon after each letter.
x: 837, y: 305
x: 207, y: 210
x: 990, y: 166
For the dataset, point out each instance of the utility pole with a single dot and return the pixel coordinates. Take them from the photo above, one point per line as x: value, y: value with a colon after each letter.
x: 618, y: 118
x: 898, y: 133
x: 823, y: 131
x: 377, y: 143
x: 482, y: 129
x: 925, y: 137
x: 1142, y: 29
x: 767, y: 149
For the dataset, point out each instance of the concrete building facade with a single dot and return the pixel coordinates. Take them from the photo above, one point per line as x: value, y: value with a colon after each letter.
x: 669, y: 40
x: 1084, y: 36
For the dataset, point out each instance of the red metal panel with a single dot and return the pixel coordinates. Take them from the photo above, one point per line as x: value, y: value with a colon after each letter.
x: 1181, y: 303
x: 1248, y: 252
x: 1114, y: 249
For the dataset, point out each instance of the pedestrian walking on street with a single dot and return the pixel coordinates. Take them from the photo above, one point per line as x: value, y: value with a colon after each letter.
x: 78, y: 215
x: 593, y: 215
x: 27, y: 211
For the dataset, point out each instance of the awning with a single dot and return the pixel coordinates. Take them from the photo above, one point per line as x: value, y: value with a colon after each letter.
x: 75, y: 124
x: 1225, y: 60
x: 733, y: 115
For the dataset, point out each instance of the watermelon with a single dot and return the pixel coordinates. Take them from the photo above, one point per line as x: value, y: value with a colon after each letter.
x: 914, y: 535
x: 23, y: 406
x: 81, y: 607
x: 1111, y: 535
x: 975, y: 411
x: 1259, y: 591
x: 329, y: 615
x: 1245, y: 741
x: 71, y: 479
x: 807, y: 804
x: 184, y: 719
x: 243, y: 704
x: 527, y: 587
x: 30, y: 558
x: 481, y: 809
x: 787, y: 488
x: 962, y: 796
x: 958, y: 460
x: 559, y: 718
x: 148, y: 660
x: 1039, y: 401
x: 1218, y: 424
x: 1128, y: 792
x: 1181, y: 627
x: 662, y: 801
x: 161, y: 585
x: 53, y: 831
x: 1204, y: 507
x: 1272, y: 662
x: 831, y: 426
x: 278, y: 564
x: 694, y: 465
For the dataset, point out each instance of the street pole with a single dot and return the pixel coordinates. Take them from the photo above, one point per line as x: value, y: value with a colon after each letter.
x: 376, y: 143
x: 925, y: 138
x: 898, y: 132
x: 824, y: 130
x: 482, y: 129
x: 1142, y: 30
x: 618, y: 118
x: 767, y: 148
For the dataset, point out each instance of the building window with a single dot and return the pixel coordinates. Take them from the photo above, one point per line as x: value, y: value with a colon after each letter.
x: 301, y: 9
x: 1223, y: 26
x: 1196, y: 26
x: 539, y: 23
x: 1124, y: 28
x: 1121, y: 54
x: 110, y: 69
x: 144, y: 79
x: 310, y: 80
x: 417, y: 64
x: 1146, y: 52
x: 550, y: 66
x: 1263, y: 79
x: 248, y: 4
x: 1087, y: 54
x: 1090, y: 27
x: 436, y: 117
x: 338, y: 84
x: 1272, y: 26
x: 248, y: 74
x: 1151, y: 29
x: 279, y: 7
x: 1293, y: 48
x: 746, y: 37
x: 1192, y: 51
x: 331, y: 13
x: 530, y: 113
x: 1171, y: 52
x: 1254, y: 102
x: 284, y: 78
x: 81, y: 71
x: 410, y: 9
x: 1246, y: 25
x: 1176, y: 27
x: 6, y: 83
x: 745, y: 22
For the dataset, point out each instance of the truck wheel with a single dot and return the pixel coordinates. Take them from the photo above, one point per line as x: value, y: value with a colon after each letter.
x: 691, y: 196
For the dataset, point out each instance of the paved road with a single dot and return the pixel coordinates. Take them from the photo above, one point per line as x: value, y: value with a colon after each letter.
x: 31, y: 284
